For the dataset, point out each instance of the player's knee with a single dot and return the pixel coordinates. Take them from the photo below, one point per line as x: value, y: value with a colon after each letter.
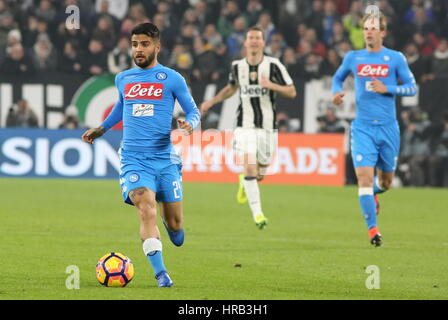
x: 365, y: 182
x: 386, y: 184
x: 175, y: 224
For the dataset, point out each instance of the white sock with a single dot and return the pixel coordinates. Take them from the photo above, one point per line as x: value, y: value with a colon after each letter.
x: 151, y: 244
x: 253, y: 195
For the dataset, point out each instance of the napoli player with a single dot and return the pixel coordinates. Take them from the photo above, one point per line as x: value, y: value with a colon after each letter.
x: 150, y: 168
x: 375, y: 140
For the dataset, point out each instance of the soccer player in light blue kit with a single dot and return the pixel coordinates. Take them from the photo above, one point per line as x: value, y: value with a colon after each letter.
x: 375, y: 136
x: 150, y: 168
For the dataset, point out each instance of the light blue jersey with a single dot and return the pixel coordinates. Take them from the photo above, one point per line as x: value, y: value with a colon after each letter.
x: 387, y: 66
x: 145, y: 104
x: 375, y: 136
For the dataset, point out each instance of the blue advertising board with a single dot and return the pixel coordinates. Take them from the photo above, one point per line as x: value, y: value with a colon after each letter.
x: 58, y: 154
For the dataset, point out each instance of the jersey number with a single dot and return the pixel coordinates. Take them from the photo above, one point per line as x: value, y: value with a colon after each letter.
x: 176, y: 189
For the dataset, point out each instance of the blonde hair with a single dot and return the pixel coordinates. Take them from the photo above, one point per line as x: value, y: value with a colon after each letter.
x: 383, y: 20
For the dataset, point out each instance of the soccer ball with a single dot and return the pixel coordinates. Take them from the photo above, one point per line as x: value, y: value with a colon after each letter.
x: 114, y: 270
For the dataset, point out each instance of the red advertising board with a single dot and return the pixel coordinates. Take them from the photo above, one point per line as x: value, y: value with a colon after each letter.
x: 301, y: 159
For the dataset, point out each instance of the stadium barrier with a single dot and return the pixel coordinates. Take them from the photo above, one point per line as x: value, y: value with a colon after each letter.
x: 208, y: 156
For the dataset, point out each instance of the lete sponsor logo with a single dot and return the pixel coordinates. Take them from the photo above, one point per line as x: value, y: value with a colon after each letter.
x: 373, y: 70
x: 143, y: 91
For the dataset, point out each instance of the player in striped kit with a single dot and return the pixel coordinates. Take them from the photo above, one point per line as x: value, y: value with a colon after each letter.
x: 260, y: 78
x: 375, y: 136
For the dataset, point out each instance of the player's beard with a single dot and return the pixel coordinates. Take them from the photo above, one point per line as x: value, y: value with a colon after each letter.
x: 149, y: 60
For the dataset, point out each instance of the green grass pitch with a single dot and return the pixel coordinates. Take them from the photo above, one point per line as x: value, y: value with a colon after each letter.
x: 315, y: 246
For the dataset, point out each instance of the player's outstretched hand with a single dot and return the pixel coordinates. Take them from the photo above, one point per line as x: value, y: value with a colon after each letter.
x: 185, y: 126
x: 205, y: 106
x: 90, y: 135
x: 378, y: 86
x: 338, y: 98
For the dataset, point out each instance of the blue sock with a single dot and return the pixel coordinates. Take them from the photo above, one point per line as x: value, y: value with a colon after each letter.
x: 368, y: 206
x: 156, y: 260
x: 376, y: 186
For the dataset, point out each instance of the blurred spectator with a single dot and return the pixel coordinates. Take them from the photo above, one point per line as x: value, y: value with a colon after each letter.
x: 137, y: 14
x: 438, y: 160
x: 45, y: 11
x: 282, y: 122
x: 190, y: 17
x: 6, y: 25
x: 21, y: 116
x: 265, y: 23
x: 317, y: 46
x: 104, y: 32
x: 71, y: 59
x: 184, y: 65
x: 212, y: 36
x: 78, y: 37
x: 411, y: 15
x: 16, y: 63
x: 276, y: 46
x: 236, y: 39
x: 439, y: 62
x: 329, y: 19
x: 202, y: 14
x: 167, y: 34
x: 330, y: 123
x: 315, y: 19
x: 330, y: 64
x: 14, y: 37
x: 222, y: 63
x: 426, y: 45
x: 204, y: 60
x: 415, y: 148
x: 187, y: 35
x: 31, y: 31
x: 117, y: 8
x: 229, y: 13
x: 289, y: 60
x: 352, y: 24
x: 308, y: 66
x: 253, y: 10
x: 417, y: 63
x: 120, y: 59
x: 44, y: 56
x: 343, y: 48
x: 95, y: 61
x: 338, y: 35
x: 103, y: 10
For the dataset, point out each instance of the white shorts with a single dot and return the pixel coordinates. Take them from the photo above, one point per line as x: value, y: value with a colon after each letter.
x: 259, y: 144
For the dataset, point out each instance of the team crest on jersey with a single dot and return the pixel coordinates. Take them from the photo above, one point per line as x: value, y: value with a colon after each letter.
x: 373, y: 70
x: 161, y: 76
x: 253, y: 76
x: 134, y: 177
x: 386, y: 58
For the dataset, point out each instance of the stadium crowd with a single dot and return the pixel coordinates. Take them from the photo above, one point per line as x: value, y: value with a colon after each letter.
x: 200, y: 38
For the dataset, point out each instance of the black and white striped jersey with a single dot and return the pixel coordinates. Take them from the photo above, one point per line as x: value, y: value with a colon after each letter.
x: 257, y: 104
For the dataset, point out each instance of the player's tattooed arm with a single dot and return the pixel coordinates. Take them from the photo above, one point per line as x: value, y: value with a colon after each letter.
x: 90, y: 135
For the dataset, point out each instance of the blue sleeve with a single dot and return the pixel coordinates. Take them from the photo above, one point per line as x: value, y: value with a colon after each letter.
x: 342, y: 73
x: 186, y: 101
x: 408, y: 88
x: 116, y: 115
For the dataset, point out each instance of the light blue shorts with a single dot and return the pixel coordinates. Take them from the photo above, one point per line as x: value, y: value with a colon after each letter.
x: 163, y: 176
